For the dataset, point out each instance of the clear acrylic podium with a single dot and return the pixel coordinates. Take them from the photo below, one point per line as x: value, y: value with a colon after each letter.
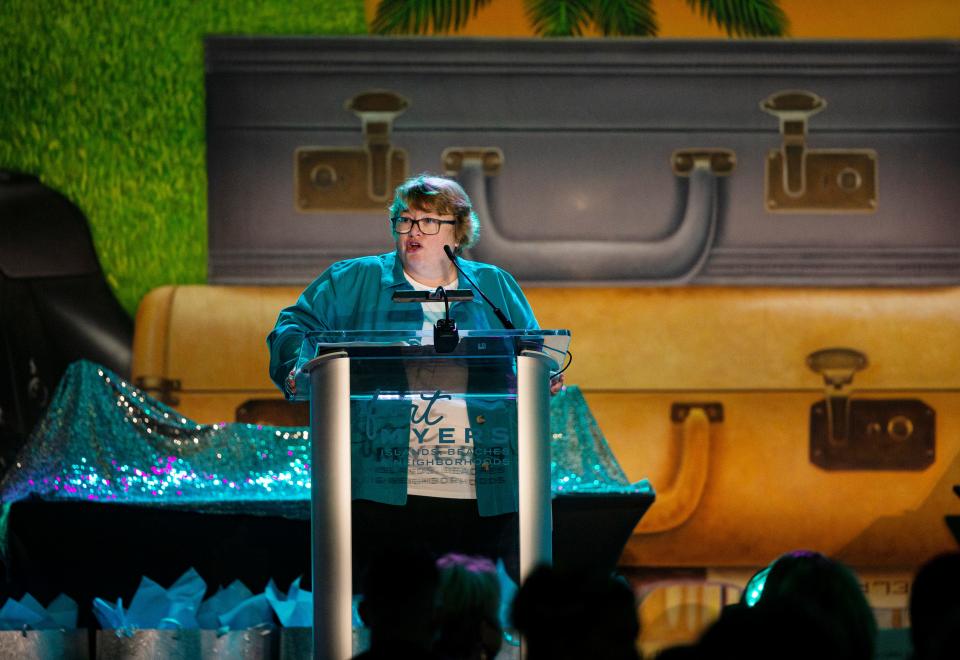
x: 363, y: 385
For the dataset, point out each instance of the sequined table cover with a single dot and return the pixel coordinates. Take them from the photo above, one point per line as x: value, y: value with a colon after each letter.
x: 103, y: 440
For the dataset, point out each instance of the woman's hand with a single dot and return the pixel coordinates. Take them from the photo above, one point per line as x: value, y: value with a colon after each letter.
x: 556, y: 384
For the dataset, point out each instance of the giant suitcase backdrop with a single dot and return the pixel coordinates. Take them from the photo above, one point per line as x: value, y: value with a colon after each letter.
x: 834, y: 158
x: 775, y: 419
x: 768, y: 419
x: 770, y: 227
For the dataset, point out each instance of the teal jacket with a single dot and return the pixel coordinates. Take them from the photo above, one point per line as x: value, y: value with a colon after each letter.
x: 356, y: 294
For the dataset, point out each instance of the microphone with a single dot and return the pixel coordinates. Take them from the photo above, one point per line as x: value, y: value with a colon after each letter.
x: 445, y: 334
x: 496, y: 310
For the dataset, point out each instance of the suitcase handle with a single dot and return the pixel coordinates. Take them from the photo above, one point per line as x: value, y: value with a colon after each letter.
x: 694, y: 428
x: 676, y: 257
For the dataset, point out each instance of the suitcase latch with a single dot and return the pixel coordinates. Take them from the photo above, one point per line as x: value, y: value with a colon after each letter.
x: 800, y: 179
x: 837, y: 366
x: 865, y: 434
x: 355, y: 178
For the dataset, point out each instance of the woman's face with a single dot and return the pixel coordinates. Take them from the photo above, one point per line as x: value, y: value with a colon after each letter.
x: 422, y: 254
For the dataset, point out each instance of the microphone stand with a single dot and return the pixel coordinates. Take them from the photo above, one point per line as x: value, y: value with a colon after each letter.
x: 496, y: 310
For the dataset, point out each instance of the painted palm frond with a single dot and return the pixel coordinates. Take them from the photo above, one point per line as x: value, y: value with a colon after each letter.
x: 621, y: 18
x: 424, y: 16
x: 569, y: 18
x: 559, y: 18
x: 744, y: 18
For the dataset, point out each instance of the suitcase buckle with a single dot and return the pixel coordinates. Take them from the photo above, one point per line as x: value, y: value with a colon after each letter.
x: 837, y: 366
x: 355, y: 178
x: 800, y: 179
x: 865, y: 434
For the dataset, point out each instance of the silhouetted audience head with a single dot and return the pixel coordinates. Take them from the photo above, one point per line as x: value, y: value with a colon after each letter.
x: 399, y: 604
x: 823, y: 596
x: 935, y: 609
x: 469, y: 608
x: 828, y: 590
x: 576, y: 615
x: 804, y: 605
x: 786, y: 629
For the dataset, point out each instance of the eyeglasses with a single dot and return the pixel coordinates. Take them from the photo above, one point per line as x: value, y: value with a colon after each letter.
x: 403, y: 225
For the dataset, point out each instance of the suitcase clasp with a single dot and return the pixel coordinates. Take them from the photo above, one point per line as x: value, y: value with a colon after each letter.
x: 866, y: 434
x: 799, y: 179
x: 837, y: 366
x: 355, y: 178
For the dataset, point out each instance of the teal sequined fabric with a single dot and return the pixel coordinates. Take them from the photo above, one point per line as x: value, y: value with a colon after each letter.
x: 103, y: 440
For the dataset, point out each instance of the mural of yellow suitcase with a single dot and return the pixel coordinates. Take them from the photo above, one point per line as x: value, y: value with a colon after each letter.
x: 767, y: 419
x: 770, y: 420
x: 202, y: 349
x: 709, y: 392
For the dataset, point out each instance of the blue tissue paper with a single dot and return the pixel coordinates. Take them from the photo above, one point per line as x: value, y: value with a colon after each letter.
x: 28, y: 614
x: 154, y: 607
x: 293, y: 609
x: 234, y: 608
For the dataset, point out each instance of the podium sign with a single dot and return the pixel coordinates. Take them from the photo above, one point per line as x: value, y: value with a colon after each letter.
x: 370, y: 388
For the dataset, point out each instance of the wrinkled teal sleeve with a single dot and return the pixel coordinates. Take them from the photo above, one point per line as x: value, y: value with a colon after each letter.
x: 287, y: 342
x: 505, y: 293
x: 518, y: 309
x: 347, y: 296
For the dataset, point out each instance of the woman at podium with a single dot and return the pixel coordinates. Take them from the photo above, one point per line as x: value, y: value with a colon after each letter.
x: 447, y: 478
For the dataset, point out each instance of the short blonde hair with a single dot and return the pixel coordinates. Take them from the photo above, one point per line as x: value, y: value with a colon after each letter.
x: 430, y: 192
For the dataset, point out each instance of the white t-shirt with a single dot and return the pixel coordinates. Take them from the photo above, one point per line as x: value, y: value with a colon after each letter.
x: 440, y: 462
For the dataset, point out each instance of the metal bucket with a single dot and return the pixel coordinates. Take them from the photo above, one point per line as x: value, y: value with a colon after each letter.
x: 45, y: 644
x: 252, y: 644
x: 149, y: 645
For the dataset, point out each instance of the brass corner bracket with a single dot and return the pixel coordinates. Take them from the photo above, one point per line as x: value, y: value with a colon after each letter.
x: 720, y: 162
x: 490, y: 159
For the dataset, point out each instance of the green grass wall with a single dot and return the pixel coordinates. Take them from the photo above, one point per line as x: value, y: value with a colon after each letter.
x: 104, y: 101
